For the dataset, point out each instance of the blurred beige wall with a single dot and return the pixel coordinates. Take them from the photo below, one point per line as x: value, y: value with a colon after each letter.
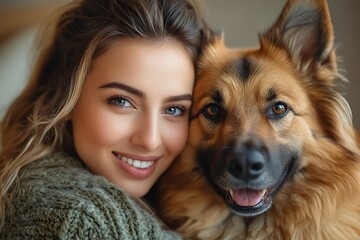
x: 240, y: 20
x: 19, y: 22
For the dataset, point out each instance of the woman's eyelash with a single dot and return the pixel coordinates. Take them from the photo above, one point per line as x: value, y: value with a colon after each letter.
x: 119, y: 101
x: 170, y: 110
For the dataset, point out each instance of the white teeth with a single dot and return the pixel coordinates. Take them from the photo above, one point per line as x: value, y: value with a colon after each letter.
x: 136, y: 163
x: 231, y: 193
x: 144, y: 164
x: 264, y: 192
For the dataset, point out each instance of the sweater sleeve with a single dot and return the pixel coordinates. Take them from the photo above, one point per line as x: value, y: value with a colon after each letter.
x: 115, y: 217
x: 57, y: 198
x: 92, y: 215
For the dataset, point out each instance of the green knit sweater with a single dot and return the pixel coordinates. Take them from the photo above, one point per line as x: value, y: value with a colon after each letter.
x: 58, y: 198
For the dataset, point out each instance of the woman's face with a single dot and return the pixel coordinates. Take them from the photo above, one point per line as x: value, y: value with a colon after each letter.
x: 131, y: 120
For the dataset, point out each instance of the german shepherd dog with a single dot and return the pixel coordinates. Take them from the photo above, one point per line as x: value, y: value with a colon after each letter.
x: 272, y: 151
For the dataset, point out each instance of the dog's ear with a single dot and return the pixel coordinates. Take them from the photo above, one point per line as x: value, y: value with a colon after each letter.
x: 305, y: 31
x: 213, y: 49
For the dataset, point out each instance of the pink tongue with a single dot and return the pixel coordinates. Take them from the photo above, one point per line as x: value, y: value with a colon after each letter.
x: 247, y: 197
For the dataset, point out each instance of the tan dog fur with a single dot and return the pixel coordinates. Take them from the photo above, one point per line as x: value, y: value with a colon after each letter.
x: 321, y: 198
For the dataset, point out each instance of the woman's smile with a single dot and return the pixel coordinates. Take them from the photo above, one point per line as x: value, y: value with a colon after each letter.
x: 137, y: 166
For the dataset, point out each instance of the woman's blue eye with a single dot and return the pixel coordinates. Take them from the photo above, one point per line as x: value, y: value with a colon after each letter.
x: 120, y: 102
x: 174, y: 111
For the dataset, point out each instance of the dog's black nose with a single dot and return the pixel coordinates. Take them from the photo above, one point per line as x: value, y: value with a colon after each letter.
x: 249, y: 165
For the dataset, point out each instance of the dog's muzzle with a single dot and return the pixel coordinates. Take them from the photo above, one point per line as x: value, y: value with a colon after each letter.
x: 247, y: 166
x: 245, y: 173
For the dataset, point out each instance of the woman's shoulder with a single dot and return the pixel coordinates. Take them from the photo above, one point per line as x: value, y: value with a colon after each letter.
x: 62, y: 179
x: 58, y: 195
x: 57, y: 170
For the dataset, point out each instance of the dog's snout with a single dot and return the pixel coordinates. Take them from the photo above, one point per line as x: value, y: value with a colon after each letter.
x: 247, y: 159
x: 248, y: 165
x: 256, y: 163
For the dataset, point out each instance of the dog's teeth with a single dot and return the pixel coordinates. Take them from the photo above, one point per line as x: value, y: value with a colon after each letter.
x: 264, y: 192
x: 231, y: 193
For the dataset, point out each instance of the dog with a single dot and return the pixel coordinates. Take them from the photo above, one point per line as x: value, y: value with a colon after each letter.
x: 272, y: 152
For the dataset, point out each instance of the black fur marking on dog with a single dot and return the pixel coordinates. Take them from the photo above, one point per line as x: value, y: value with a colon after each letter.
x: 271, y: 95
x: 217, y: 97
x: 243, y: 68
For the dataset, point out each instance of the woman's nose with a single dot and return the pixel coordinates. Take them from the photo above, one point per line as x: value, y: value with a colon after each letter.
x: 147, y: 133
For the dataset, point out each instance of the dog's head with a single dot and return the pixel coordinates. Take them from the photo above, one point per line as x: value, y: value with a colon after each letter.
x: 256, y: 110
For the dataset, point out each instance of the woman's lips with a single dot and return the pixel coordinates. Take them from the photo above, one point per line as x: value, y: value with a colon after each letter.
x: 137, y: 166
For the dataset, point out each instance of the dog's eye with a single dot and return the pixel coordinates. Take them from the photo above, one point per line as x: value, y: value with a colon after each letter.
x: 212, y: 112
x: 278, y: 110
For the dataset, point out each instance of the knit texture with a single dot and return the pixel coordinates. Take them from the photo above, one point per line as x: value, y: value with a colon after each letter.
x: 58, y: 198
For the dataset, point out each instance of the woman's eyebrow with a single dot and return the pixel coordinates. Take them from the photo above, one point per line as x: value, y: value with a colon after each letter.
x: 123, y: 87
x: 141, y: 94
x: 179, y: 98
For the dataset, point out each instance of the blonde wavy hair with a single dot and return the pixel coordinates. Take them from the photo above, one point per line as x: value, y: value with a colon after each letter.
x: 36, y: 123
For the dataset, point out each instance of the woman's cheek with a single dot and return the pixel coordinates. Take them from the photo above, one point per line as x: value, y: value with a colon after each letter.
x: 177, y: 138
x: 108, y: 128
